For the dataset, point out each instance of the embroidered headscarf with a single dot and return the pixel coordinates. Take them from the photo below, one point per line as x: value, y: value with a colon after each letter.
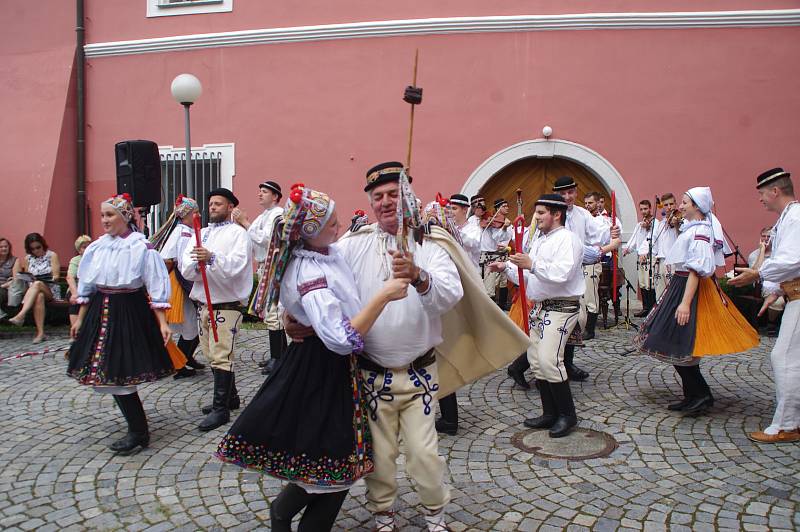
x: 701, y: 196
x: 123, y: 204
x: 185, y: 205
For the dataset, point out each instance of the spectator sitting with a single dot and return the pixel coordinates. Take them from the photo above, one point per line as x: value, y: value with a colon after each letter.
x: 754, y: 260
x: 39, y: 269
x: 81, y: 243
x: 7, y: 260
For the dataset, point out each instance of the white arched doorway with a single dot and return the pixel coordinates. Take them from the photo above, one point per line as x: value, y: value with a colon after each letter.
x: 544, y: 148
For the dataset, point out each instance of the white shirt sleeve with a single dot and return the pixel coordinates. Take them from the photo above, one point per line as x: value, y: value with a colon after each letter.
x: 324, y: 311
x: 783, y: 263
x: 598, y: 233
x: 188, y: 266
x: 700, y: 256
x: 231, y: 265
x: 156, y: 279
x: 445, y: 288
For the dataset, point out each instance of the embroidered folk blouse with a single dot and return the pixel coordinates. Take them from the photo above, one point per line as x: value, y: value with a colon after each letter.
x: 127, y: 262
x: 693, y: 250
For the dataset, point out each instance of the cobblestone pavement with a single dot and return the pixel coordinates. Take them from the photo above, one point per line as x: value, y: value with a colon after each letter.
x: 669, y: 472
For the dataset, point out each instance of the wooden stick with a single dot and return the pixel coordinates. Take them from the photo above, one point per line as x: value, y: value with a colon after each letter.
x: 411, y: 123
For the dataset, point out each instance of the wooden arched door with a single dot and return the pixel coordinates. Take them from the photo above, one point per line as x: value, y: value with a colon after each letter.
x: 535, y: 176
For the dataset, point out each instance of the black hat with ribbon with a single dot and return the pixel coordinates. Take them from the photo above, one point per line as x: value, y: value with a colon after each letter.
x: 459, y: 199
x: 273, y: 186
x: 383, y: 173
x: 771, y: 175
x: 564, y: 182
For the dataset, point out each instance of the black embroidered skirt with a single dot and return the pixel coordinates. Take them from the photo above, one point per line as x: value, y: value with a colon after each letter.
x: 306, y: 423
x: 119, y: 343
x: 660, y: 335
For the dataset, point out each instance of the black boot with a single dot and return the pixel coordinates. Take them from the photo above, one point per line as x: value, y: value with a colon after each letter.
x: 448, y: 423
x: 138, y: 435
x: 220, y: 414
x: 702, y: 400
x: 516, y: 370
x: 277, y: 345
x: 687, y: 391
x: 549, y: 412
x: 286, y: 505
x: 645, y: 304
x: 591, y: 321
x: 573, y: 372
x: 567, y: 419
x: 234, y: 403
x: 502, y: 298
x: 188, y: 347
x: 184, y: 372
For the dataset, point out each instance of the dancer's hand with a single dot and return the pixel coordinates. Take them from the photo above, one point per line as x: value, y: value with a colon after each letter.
x: 769, y: 300
x: 682, y: 314
x: 403, y: 266
x: 395, y: 289
x: 75, y: 328
x: 521, y: 260
x: 496, y: 266
x: 296, y: 330
x: 746, y: 276
x: 166, y: 332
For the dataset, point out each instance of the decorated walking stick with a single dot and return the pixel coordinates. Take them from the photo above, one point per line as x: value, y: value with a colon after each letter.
x: 211, y: 318
x: 613, y: 253
x: 519, y: 234
x: 408, y: 211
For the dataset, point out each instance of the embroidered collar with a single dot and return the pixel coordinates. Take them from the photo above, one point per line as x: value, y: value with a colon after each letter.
x: 691, y: 223
x: 219, y: 224
x: 314, y: 253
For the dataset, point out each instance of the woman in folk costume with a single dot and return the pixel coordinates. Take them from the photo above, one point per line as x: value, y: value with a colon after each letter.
x: 306, y: 423
x: 121, y: 330
x: 693, y: 318
x: 170, y: 241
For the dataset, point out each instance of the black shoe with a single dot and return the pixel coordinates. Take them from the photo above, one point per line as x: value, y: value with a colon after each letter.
x: 591, y: 322
x: 263, y: 363
x: 233, y: 404
x: 549, y: 412
x: 567, y: 419
x: 446, y: 427
x: 680, y: 405
x: 270, y: 367
x: 138, y: 435
x: 687, y: 382
x: 642, y: 313
x: 519, y: 377
x: 698, y: 405
x: 219, y: 414
x: 193, y: 363
x: 184, y: 372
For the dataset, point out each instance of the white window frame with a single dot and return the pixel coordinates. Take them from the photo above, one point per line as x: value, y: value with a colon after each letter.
x: 227, y: 149
x: 156, y: 8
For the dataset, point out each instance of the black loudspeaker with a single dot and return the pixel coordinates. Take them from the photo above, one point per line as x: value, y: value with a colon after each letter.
x: 139, y: 171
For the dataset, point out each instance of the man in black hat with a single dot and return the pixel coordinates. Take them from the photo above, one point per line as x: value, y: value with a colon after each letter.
x: 496, y: 231
x: 260, y: 231
x: 227, y: 253
x: 470, y: 233
x: 781, y: 276
x: 554, y: 280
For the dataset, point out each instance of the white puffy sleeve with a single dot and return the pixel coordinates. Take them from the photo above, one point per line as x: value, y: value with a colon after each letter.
x: 230, y: 265
x: 598, y: 232
x: 187, y: 265
x: 86, y: 289
x: 557, y: 267
x: 259, y: 231
x: 700, y: 255
x: 444, y: 289
x: 156, y: 279
x: 784, y: 262
x: 324, y: 312
x: 633, y: 243
x: 471, y: 240
x: 170, y: 249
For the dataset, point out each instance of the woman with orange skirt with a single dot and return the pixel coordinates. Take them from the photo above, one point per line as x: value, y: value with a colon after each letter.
x: 693, y: 318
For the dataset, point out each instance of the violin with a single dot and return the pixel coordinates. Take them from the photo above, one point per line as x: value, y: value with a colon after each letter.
x: 675, y: 219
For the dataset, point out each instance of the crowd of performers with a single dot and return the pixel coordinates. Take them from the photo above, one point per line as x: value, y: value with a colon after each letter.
x: 394, y: 315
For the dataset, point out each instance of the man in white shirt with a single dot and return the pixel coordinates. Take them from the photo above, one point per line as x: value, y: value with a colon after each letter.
x: 554, y: 280
x: 260, y: 232
x: 398, y: 362
x: 470, y: 233
x: 668, y: 231
x: 781, y: 276
x: 643, y: 243
x: 227, y: 252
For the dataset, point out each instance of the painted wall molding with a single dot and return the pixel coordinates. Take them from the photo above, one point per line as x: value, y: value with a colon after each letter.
x: 433, y: 26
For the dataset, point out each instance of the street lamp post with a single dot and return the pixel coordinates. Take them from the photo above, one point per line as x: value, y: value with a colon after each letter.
x: 186, y: 89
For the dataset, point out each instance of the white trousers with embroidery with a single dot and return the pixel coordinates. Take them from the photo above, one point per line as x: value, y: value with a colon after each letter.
x: 549, y: 332
x: 591, y: 274
x: 785, y: 360
x: 400, y: 403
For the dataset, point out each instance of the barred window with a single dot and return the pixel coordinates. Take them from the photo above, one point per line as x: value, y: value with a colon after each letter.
x: 165, y: 8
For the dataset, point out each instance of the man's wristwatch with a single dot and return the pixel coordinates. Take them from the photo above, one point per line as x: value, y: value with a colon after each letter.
x: 421, y: 279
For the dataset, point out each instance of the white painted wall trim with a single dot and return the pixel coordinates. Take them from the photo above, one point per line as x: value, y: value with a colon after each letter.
x: 226, y: 150
x: 432, y: 26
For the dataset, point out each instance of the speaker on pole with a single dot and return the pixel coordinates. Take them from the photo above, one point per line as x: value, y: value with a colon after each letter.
x: 139, y: 171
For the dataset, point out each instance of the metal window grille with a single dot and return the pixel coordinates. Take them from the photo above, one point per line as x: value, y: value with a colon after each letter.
x: 173, y: 3
x: 206, y: 176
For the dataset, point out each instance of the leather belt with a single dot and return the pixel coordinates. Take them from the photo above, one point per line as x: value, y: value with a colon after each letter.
x: 791, y: 289
x: 561, y: 305
x: 422, y: 361
x: 228, y: 305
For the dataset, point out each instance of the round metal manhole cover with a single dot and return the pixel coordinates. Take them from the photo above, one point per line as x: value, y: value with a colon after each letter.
x: 580, y: 444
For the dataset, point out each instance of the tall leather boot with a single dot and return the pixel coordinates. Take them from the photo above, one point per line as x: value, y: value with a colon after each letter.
x: 502, y: 298
x: 516, y: 370
x: 591, y: 322
x: 645, y: 304
x: 188, y: 347
x: 220, y: 414
x: 233, y: 403
x: 686, y: 384
x: 138, y: 433
x: 702, y: 399
x: 448, y: 423
x: 549, y: 412
x: 277, y: 345
x: 573, y: 372
x: 567, y: 418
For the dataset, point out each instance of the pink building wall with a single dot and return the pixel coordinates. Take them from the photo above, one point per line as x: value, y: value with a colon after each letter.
x: 668, y: 108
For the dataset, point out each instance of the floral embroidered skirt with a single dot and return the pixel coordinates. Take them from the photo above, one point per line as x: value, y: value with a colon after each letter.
x: 306, y: 423
x: 119, y: 343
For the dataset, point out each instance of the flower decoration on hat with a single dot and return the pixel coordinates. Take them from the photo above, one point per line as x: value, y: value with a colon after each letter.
x: 185, y: 205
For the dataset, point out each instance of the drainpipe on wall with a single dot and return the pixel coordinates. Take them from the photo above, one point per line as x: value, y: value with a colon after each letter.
x: 80, y: 144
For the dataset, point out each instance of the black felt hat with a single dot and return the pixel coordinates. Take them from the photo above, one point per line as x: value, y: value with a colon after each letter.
x: 383, y: 173
x: 499, y: 202
x: 771, y: 175
x: 552, y: 200
x: 225, y: 193
x: 273, y: 186
x: 564, y: 182
x: 477, y: 198
x: 459, y: 199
